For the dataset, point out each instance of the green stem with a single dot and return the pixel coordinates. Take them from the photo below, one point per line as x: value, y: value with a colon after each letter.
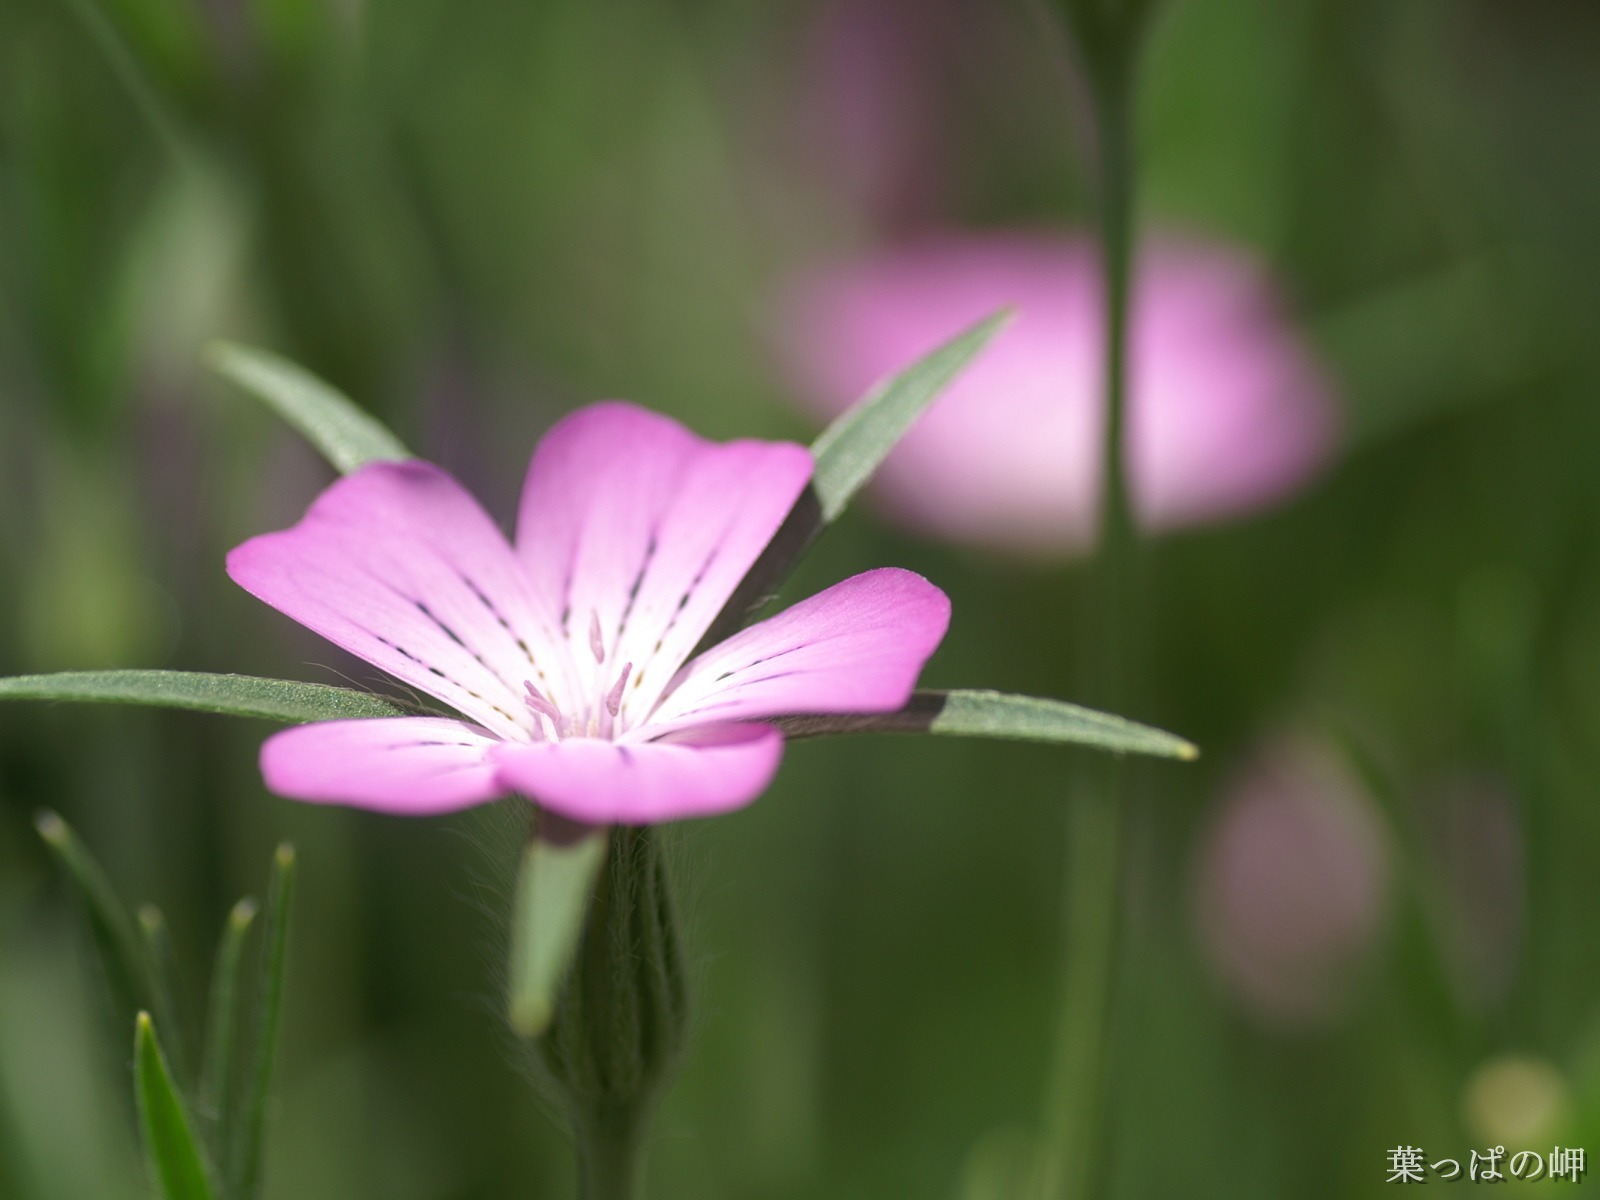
x: 1069, y: 1166
x: 608, y: 1156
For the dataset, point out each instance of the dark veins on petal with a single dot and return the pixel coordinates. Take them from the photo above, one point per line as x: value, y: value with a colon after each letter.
x: 638, y: 582
x: 765, y: 658
x: 433, y: 670
x: 499, y: 617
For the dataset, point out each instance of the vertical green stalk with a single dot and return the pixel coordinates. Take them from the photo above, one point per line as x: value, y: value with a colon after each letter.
x: 618, y: 1026
x: 609, y: 1161
x: 1069, y: 1168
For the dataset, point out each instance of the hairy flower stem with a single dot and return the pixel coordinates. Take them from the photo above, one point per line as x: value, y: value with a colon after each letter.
x: 1068, y: 1165
x: 619, y: 1026
x: 609, y: 1157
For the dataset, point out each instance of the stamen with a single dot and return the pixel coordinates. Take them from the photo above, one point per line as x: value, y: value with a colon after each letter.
x: 614, y: 696
x: 595, y: 643
x: 536, y: 701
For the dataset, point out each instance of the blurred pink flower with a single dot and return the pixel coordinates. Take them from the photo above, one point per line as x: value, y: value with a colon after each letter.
x: 873, y: 102
x: 1292, y: 885
x: 1228, y: 411
x: 568, y: 652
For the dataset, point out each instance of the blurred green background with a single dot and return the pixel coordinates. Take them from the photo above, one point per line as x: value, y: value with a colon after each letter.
x: 476, y: 215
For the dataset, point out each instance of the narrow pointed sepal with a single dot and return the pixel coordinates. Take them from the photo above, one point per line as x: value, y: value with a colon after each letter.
x: 347, y: 436
x: 1003, y: 716
x: 178, y: 1166
x: 554, y: 889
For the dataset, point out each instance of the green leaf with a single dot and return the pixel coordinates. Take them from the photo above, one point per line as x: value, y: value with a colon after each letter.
x: 985, y: 714
x: 853, y: 447
x: 347, y: 436
x: 553, y: 893
x: 163, y: 971
x: 847, y: 453
x: 117, y: 943
x: 218, y: 1082
x: 1424, y: 347
x: 147, y: 100
x: 244, y: 1158
x: 234, y: 695
x: 174, y: 1156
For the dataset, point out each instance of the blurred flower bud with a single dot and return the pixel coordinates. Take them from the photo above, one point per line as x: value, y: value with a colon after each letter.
x: 1292, y: 886
x: 1228, y: 410
x: 620, y: 1023
x: 1515, y: 1100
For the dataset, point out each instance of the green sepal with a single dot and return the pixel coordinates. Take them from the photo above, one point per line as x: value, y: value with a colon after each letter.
x: 232, y: 695
x: 852, y: 448
x: 219, y: 1090
x: 847, y: 453
x: 554, y: 888
x: 243, y: 1165
x: 177, y: 1164
x: 1000, y: 715
x: 163, y: 972
x: 117, y: 942
x: 348, y: 436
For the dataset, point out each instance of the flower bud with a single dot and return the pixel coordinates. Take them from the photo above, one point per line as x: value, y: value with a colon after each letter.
x: 619, y: 1024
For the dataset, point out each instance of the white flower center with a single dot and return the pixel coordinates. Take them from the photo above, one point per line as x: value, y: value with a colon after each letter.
x: 598, y: 719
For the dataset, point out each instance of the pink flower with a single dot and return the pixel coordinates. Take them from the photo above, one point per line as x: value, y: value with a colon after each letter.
x: 569, y: 652
x: 874, y: 101
x: 1227, y: 409
x: 1293, y: 885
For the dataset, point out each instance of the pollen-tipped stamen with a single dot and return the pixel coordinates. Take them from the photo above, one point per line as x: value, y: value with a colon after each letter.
x: 540, y: 706
x: 595, y: 644
x: 614, y: 696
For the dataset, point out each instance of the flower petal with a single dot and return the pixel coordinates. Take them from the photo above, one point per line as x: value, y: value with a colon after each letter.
x: 410, y: 766
x: 397, y: 563
x: 629, y: 518
x: 857, y: 647
x: 710, y: 769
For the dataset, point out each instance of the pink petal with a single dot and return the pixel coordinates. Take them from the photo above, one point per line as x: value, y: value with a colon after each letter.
x: 857, y: 647
x: 629, y: 517
x: 398, y: 564
x: 409, y: 766
x: 707, y: 770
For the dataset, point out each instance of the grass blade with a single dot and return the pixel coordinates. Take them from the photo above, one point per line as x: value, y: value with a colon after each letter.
x: 163, y: 970
x: 347, y: 436
x: 553, y: 892
x: 147, y: 99
x: 218, y: 1069
x: 244, y: 1162
x: 231, y: 695
x: 117, y: 944
x: 176, y: 1162
x: 985, y: 714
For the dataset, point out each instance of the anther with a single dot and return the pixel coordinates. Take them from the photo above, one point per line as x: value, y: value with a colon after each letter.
x: 595, y: 643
